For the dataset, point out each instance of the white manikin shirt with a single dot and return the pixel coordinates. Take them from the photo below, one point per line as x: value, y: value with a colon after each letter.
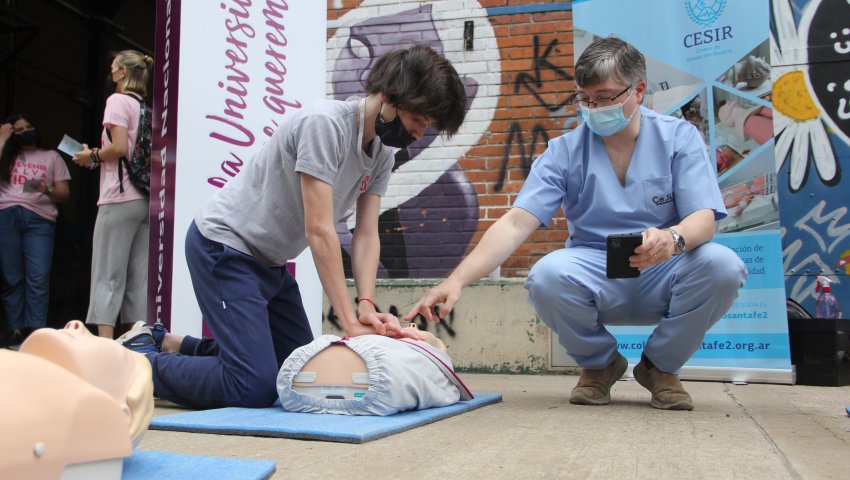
x: 403, y: 375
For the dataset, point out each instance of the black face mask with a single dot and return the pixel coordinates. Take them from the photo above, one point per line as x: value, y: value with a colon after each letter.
x: 26, y: 139
x: 393, y: 133
x: 111, y: 84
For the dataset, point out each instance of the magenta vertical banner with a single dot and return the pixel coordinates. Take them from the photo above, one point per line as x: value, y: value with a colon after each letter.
x: 163, y: 160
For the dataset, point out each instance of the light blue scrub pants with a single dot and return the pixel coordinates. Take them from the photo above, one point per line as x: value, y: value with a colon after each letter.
x: 684, y: 296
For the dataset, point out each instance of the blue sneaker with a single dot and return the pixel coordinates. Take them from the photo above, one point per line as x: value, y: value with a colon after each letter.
x: 158, y: 331
x: 140, y: 339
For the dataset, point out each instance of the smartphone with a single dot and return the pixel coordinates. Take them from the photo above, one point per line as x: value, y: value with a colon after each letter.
x: 620, y: 247
x: 31, y: 185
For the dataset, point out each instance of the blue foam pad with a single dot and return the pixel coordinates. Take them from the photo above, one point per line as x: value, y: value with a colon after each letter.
x: 848, y: 409
x: 148, y: 464
x: 276, y: 422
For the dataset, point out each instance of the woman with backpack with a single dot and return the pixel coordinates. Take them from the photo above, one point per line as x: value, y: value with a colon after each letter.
x: 33, y: 179
x: 119, y: 273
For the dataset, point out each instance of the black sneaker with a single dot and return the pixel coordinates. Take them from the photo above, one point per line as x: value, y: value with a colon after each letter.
x: 14, y: 339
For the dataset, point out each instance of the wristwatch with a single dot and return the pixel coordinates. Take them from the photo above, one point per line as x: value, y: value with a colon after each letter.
x: 678, y: 241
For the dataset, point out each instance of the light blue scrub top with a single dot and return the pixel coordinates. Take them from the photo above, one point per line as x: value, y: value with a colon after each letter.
x: 670, y: 176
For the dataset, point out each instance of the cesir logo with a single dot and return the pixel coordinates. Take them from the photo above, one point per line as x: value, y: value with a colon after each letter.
x: 705, y: 12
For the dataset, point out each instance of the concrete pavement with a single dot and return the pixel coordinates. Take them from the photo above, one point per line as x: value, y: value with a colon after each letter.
x: 750, y: 431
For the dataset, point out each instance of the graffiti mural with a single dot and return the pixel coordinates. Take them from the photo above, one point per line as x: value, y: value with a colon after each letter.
x: 810, y: 61
x: 430, y: 212
x: 531, y: 82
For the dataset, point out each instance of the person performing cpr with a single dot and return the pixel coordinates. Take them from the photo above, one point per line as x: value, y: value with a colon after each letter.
x: 625, y: 169
x: 325, y: 160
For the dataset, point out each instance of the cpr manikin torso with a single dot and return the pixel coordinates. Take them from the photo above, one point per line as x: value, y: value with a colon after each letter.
x: 80, y: 404
x: 368, y: 375
x: 335, y: 372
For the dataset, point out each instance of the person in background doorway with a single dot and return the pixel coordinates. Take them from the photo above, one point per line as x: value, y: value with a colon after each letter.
x: 119, y: 271
x: 33, y: 179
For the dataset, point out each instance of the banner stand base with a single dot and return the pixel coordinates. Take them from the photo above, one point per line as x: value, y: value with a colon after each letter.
x: 729, y: 374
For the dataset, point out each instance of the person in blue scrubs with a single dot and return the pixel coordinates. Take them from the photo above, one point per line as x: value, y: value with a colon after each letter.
x: 624, y: 169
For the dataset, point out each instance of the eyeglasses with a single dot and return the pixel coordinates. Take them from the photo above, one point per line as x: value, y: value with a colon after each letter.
x: 24, y: 129
x: 580, y: 100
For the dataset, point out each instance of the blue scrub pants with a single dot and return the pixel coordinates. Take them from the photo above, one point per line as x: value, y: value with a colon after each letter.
x: 683, y: 296
x: 257, y: 319
x: 26, y: 255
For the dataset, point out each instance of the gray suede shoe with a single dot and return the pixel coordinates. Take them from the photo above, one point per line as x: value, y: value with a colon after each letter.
x: 594, y: 386
x: 667, y: 391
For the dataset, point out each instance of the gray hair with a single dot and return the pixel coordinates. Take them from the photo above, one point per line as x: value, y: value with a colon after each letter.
x: 611, y: 58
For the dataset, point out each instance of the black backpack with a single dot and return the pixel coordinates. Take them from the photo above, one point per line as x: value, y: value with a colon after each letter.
x: 138, y: 167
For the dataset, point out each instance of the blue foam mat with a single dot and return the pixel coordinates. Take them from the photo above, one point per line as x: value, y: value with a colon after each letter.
x: 149, y: 464
x: 276, y: 422
x: 848, y: 409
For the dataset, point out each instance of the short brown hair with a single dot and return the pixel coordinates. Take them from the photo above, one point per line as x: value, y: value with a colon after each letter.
x: 420, y: 80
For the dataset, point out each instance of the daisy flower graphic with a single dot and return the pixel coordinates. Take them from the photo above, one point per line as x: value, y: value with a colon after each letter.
x: 799, y: 132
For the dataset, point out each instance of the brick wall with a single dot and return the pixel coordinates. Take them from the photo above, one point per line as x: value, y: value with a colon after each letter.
x: 519, y: 77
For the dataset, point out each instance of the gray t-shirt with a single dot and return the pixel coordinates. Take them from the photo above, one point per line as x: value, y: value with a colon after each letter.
x: 261, y: 211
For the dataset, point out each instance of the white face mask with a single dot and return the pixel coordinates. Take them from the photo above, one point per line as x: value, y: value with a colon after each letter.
x: 606, y: 121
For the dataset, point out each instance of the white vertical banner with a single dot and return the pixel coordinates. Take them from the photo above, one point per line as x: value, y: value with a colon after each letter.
x: 232, y: 69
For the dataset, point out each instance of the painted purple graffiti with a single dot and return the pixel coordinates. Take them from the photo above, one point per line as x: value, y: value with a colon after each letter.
x: 427, y: 235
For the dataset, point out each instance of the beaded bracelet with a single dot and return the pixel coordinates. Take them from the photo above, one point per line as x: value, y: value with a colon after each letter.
x: 95, y: 158
x: 367, y: 299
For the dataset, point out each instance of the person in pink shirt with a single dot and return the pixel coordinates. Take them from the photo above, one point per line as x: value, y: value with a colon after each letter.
x: 119, y: 272
x: 33, y: 180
